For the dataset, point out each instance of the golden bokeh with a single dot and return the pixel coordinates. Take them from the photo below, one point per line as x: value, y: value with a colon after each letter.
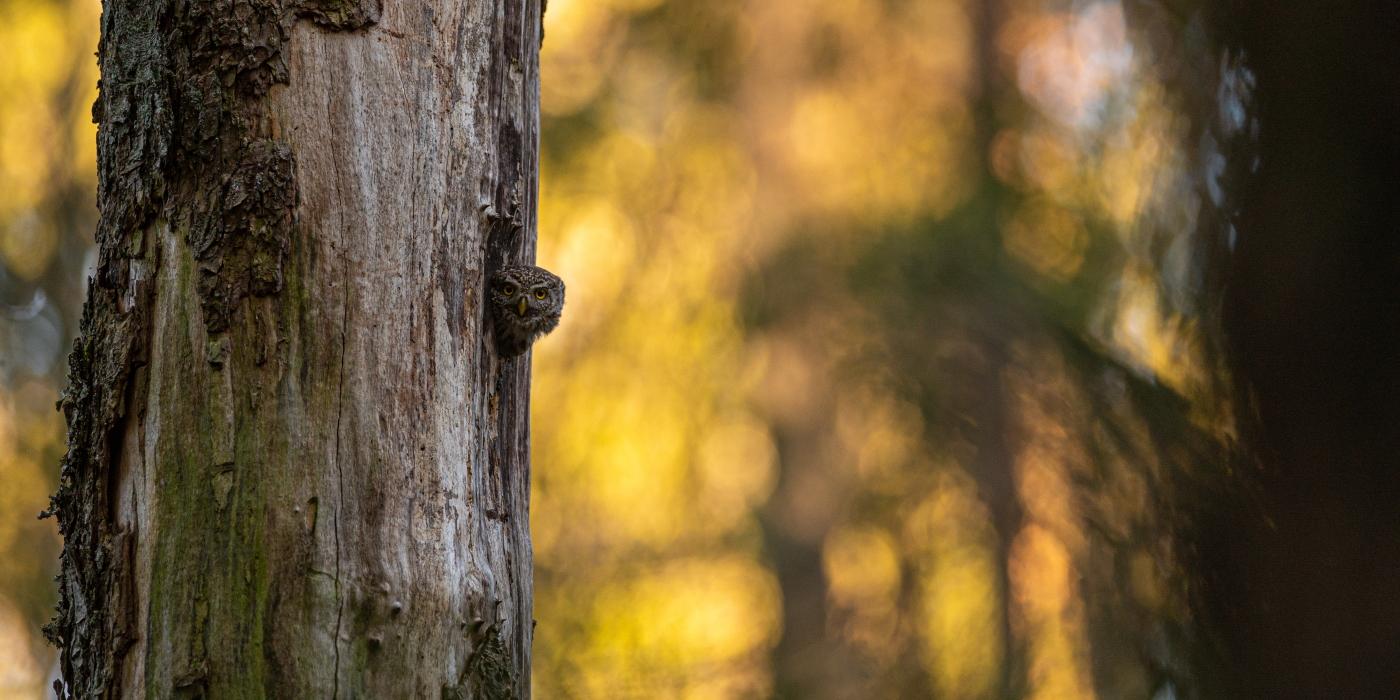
x: 863, y: 296
x: 676, y: 427
x: 47, y: 180
x: 960, y: 599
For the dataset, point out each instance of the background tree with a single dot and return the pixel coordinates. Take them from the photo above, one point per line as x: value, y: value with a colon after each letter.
x: 1312, y: 314
x: 295, y: 466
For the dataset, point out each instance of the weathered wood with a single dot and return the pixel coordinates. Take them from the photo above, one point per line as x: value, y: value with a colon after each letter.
x: 296, y: 467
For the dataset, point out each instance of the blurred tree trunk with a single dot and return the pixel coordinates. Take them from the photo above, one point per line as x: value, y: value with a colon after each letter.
x: 296, y: 468
x: 1312, y: 313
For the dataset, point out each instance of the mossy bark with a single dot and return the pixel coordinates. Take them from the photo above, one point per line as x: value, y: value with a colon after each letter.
x: 296, y: 467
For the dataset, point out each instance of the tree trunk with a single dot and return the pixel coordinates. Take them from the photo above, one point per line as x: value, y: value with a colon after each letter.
x: 296, y: 466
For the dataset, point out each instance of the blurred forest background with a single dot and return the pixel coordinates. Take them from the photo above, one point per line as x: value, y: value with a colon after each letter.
x: 916, y: 348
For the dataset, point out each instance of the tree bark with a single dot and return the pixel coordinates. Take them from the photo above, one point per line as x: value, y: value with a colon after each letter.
x: 296, y: 466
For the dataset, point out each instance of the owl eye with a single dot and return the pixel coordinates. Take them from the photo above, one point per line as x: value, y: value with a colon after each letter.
x: 541, y: 294
x: 507, y: 289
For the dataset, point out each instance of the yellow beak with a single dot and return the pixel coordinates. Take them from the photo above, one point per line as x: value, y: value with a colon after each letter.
x: 521, y: 307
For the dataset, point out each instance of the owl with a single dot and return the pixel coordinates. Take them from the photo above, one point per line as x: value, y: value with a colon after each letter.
x: 525, y: 304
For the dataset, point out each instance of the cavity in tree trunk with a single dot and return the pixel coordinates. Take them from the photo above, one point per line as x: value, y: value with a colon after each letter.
x: 296, y: 466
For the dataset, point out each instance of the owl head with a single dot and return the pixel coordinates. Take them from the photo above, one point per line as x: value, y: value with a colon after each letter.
x: 526, y: 302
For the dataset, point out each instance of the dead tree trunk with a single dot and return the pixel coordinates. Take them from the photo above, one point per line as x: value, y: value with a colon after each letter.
x: 296, y: 467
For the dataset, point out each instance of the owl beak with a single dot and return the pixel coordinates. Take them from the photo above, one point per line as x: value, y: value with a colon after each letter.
x: 521, y: 307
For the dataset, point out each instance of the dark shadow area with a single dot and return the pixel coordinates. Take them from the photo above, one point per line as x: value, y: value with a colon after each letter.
x: 1309, y: 600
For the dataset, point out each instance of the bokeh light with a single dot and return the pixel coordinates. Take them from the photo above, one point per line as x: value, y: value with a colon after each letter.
x: 823, y: 278
x: 887, y: 356
x: 47, y: 185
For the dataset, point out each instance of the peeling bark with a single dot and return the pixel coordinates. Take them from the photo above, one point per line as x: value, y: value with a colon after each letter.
x: 296, y: 467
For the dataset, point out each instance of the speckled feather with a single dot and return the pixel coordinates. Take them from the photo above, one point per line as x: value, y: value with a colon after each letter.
x: 526, y: 302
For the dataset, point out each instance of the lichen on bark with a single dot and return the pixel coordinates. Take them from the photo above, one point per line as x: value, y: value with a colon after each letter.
x: 488, y: 673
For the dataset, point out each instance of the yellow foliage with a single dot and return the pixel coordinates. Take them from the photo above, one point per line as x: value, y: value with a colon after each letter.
x: 959, y: 616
